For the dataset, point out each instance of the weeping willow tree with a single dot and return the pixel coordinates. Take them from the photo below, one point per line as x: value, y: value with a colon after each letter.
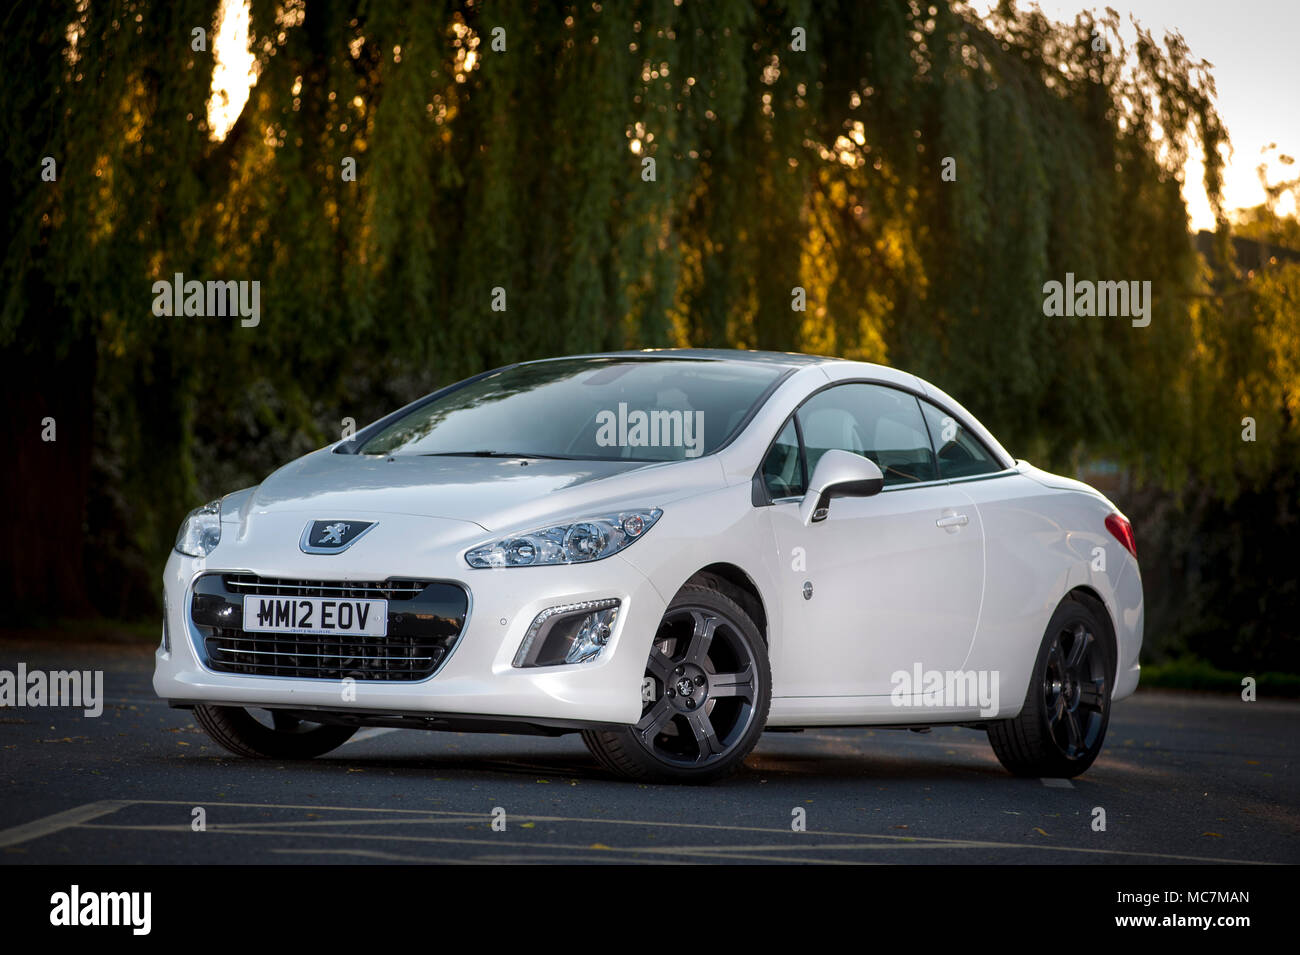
x: 892, y: 181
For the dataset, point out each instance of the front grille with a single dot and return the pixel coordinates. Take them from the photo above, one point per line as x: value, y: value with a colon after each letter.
x: 425, y: 621
x: 322, y: 657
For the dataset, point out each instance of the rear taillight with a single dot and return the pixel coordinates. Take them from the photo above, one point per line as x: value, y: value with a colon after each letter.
x: 1123, y: 532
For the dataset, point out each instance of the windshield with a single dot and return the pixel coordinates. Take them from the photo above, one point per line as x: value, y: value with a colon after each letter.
x: 614, y: 408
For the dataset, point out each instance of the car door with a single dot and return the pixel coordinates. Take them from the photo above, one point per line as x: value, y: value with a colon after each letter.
x: 884, y: 583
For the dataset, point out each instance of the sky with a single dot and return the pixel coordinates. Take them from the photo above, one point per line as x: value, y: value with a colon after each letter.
x: 1254, y: 46
x: 232, y: 70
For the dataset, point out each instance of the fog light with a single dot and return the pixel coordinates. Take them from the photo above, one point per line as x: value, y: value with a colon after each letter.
x: 571, y: 633
x: 591, y: 637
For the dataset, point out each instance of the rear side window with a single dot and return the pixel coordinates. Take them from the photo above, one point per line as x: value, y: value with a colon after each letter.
x: 958, y: 452
x: 783, y: 466
x: 875, y: 421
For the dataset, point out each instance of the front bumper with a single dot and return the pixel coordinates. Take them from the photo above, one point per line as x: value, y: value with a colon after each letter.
x: 477, y: 680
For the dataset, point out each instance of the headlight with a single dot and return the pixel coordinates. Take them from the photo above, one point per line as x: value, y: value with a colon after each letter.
x: 576, y: 543
x: 200, y: 532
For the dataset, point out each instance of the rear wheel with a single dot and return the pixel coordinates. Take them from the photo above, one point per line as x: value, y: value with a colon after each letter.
x: 706, y: 693
x: 276, y: 735
x: 1063, y: 722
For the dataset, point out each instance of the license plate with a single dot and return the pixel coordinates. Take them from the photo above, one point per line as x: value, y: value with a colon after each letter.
x: 316, y: 615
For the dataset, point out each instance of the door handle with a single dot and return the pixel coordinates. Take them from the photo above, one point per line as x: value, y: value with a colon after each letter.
x: 952, y: 520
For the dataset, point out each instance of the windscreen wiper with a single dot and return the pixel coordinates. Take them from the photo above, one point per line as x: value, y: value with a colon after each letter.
x: 495, y: 454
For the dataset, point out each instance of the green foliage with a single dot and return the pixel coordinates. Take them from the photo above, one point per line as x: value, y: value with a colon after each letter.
x: 522, y: 170
x: 1189, y: 673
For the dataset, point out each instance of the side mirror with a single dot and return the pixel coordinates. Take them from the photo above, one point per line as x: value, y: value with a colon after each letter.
x: 839, y: 474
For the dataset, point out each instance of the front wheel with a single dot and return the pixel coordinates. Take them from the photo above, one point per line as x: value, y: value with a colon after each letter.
x: 279, y: 736
x: 1063, y: 722
x: 706, y: 693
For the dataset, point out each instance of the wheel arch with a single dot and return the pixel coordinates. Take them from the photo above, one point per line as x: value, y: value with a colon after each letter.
x: 1088, y: 594
x: 743, y: 588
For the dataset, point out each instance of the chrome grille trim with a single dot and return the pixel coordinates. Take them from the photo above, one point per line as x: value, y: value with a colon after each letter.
x: 392, y: 589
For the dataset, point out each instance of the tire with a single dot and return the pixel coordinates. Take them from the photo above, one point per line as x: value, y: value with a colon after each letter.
x: 237, y: 731
x: 1062, y: 724
x: 694, y: 727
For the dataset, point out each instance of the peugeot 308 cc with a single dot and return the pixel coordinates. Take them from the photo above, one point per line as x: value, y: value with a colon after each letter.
x: 668, y: 552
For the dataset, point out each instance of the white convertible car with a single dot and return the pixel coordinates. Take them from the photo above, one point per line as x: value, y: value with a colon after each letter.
x: 669, y: 552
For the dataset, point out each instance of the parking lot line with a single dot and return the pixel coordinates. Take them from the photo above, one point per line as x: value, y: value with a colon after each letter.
x: 81, y: 817
x: 67, y: 819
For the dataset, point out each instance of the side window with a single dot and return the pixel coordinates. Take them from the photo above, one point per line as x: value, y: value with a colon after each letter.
x: 783, y: 468
x: 880, y: 423
x: 959, y: 453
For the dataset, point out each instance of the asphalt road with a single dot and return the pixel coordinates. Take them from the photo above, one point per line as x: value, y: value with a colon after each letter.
x: 1183, y: 778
